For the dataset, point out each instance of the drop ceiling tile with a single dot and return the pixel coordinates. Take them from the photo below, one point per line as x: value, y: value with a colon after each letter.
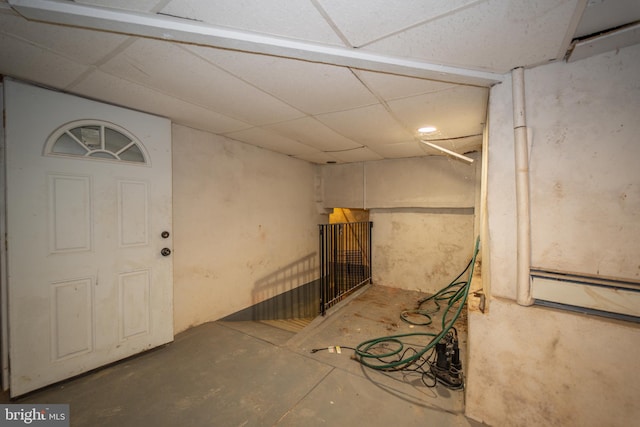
x: 363, y: 154
x: 367, y: 126
x: 313, y: 133
x: 271, y: 141
x: 362, y: 21
x: 80, y: 45
x: 317, y: 157
x: 494, y: 35
x: 455, y: 112
x: 99, y: 85
x: 298, y: 19
x: 399, y: 150
x: 177, y: 72
x: 605, y: 14
x: 311, y: 87
x: 26, y: 61
x: 391, y: 86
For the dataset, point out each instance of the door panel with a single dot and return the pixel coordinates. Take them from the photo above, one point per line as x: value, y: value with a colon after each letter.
x: 87, y: 283
x: 133, y: 200
x: 70, y: 213
x: 134, y: 304
x: 71, y: 318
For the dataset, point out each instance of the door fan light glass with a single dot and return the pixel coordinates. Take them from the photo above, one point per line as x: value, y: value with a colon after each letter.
x: 94, y: 139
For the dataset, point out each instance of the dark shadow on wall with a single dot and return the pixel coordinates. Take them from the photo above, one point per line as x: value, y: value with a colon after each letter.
x: 291, y: 292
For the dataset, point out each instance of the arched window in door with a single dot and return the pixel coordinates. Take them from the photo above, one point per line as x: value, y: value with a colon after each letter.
x: 95, y: 140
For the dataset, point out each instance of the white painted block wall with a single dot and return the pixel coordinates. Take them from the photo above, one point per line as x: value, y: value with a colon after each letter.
x: 533, y: 366
x: 422, y: 211
x: 245, y: 225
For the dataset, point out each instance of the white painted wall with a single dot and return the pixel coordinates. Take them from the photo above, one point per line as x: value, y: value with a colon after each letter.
x: 342, y: 186
x: 425, y: 182
x: 536, y: 366
x: 420, y: 249
x: 585, y: 186
x: 422, y: 211
x: 245, y: 225
x: 420, y: 182
x: 539, y: 366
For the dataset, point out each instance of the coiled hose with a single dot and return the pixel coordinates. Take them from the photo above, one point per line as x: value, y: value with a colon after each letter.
x: 456, y: 291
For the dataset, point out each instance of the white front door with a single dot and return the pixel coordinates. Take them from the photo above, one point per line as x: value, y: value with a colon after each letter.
x: 88, y: 281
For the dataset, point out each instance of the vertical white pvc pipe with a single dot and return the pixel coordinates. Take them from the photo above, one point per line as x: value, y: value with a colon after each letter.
x: 523, y: 278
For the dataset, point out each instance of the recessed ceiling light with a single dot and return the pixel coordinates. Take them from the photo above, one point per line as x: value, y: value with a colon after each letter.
x: 427, y: 129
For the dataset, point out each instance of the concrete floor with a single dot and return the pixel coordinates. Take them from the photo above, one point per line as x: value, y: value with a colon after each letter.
x: 254, y: 374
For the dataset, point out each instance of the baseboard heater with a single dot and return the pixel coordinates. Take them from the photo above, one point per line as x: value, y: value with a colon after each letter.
x: 605, y: 296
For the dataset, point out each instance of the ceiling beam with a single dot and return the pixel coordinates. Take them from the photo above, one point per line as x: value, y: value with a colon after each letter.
x: 188, y: 31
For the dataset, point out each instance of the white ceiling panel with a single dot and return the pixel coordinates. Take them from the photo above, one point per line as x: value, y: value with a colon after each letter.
x: 367, y: 126
x: 390, y: 86
x: 601, y: 15
x: 317, y: 157
x: 272, y: 141
x: 362, y: 154
x: 22, y: 59
x: 496, y: 35
x: 314, y: 133
x: 400, y: 150
x: 112, y: 89
x: 179, y: 73
x: 84, y: 47
x: 311, y: 87
x: 354, y: 18
x: 456, y: 112
x: 224, y: 65
x: 296, y: 19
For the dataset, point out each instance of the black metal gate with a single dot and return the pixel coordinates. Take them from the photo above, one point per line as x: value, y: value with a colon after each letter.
x: 345, y: 260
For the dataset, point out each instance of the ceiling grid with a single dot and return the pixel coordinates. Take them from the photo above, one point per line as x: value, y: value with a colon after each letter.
x: 319, y: 80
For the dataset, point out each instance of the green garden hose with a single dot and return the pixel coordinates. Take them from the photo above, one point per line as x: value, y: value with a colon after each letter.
x: 456, y: 291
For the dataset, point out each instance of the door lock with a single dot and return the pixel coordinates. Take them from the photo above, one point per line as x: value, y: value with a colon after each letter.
x: 164, y: 234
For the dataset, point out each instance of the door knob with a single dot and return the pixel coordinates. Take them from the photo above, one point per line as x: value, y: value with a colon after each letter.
x: 165, y: 252
x: 164, y: 234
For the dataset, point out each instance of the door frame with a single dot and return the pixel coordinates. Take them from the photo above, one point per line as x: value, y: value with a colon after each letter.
x: 4, y: 302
